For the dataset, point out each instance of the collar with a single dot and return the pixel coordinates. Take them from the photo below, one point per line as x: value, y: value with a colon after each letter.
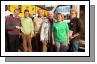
x: 26, y: 17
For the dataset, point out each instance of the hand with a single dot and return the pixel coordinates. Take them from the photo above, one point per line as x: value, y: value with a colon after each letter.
x: 70, y: 33
x: 75, y: 35
x: 18, y: 27
x: 71, y: 37
x: 32, y: 35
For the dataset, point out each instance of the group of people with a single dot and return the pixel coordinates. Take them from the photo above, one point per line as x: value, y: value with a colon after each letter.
x: 52, y: 32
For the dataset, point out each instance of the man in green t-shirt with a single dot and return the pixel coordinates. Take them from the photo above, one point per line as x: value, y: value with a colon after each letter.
x: 60, y: 34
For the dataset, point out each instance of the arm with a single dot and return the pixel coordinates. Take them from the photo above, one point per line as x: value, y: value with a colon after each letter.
x: 52, y: 34
x: 80, y: 28
x: 75, y: 35
x: 68, y: 32
x: 18, y: 23
x: 53, y: 38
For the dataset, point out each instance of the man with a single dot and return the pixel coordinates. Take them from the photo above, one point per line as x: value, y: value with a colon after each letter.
x: 38, y: 20
x: 76, y: 28
x: 27, y: 29
x: 13, y: 29
x: 45, y: 34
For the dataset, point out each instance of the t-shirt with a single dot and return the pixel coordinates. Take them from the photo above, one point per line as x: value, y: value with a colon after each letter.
x: 60, y: 31
x: 27, y: 26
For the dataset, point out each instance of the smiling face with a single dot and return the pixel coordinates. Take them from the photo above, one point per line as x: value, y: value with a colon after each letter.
x: 26, y: 13
x: 16, y: 12
x: 50, y: 15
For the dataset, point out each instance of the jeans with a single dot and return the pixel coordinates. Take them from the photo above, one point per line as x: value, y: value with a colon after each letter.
x: 61, y: 47
x: 74, y: 45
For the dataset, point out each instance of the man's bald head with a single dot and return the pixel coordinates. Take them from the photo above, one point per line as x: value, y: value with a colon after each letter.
x: 50, y: 15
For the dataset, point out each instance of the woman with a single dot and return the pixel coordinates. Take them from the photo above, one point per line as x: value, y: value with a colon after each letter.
x: 60, y: 34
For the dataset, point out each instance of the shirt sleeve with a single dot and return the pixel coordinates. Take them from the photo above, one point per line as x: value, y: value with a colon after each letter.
x: 80, y: 27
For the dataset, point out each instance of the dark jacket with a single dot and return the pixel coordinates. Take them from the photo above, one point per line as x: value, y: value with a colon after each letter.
x: 76, y: 26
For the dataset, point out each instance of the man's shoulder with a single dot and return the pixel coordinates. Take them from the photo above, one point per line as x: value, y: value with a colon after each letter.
x: 8, y: 18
